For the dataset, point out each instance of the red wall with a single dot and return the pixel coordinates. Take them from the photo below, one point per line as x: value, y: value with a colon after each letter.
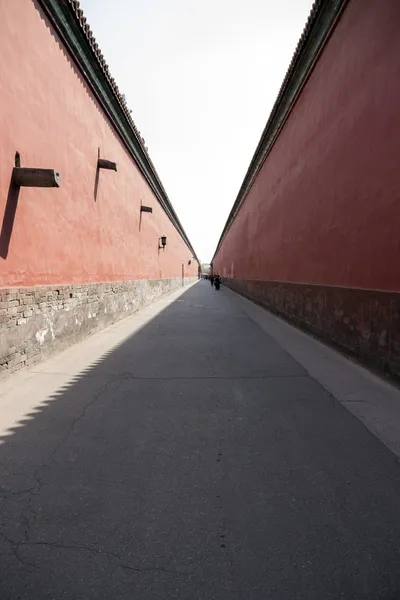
x: 48, y: 115
x: 325, y: 208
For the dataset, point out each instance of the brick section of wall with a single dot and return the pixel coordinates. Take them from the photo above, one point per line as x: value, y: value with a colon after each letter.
x: 364, y: 323
x: 37, y: 321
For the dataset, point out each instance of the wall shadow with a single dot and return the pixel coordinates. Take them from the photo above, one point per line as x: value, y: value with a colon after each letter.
x: 9, y: 218
x: 96, y: 183
x: 49, y: 465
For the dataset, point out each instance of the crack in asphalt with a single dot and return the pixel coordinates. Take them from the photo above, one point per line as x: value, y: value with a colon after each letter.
x: 30, y: 518
x: 14, y: 550
x: 5, y: 494
x: 194, y: 378
x: 17, y: 546
x: 80, y: 548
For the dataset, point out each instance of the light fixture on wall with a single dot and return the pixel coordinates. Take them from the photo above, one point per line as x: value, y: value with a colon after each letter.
x: 189, y: 262
x: 162, y: 242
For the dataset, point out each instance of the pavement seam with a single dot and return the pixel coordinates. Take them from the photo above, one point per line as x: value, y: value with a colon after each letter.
x: 211, y: 377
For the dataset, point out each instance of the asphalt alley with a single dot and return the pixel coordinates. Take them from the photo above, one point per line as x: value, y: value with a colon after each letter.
x: 185, y: 453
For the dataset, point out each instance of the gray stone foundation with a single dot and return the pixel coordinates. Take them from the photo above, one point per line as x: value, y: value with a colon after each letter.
x: 38, y: 321
x: 364, y: 323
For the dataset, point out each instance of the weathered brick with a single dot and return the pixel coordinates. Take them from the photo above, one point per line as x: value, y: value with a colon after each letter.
x: 5, y: 359
x: 33, y: 349
x: 17, y: 358
x: 17, y: 367
x: 18, y: 306
x: 32, y: 360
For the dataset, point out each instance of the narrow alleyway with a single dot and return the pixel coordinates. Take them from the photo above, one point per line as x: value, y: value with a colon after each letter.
x: 187, y: 455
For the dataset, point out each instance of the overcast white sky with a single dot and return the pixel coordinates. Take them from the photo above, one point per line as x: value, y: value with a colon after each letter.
x: 201, y: 77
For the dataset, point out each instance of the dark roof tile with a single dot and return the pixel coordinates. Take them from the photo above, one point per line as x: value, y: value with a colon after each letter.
x: 77, y: 10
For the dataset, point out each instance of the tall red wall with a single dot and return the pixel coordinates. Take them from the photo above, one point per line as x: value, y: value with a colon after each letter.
x: 49, y: 115
x: 325, y: 207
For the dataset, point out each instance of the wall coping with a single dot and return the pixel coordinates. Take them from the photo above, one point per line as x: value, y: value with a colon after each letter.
x: 67, y: 19
x: 322, y: 20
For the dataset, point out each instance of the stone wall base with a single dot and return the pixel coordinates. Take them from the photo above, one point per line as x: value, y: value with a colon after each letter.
x: 38, y: 321
x: 364, y: 323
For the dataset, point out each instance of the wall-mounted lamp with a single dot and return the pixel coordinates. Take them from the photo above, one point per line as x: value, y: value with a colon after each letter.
x: 189, y: 262
x: 162, y: 242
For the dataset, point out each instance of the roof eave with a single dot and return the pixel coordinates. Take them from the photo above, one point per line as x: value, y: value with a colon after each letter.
x: 67, y: 19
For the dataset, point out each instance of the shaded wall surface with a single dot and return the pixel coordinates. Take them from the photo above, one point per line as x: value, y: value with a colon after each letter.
x: 88, y: 233
x: 323, y: 215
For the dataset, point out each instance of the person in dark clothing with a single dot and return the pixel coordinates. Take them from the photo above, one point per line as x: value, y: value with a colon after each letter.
x: 212, y: 280
x: 217, y: 282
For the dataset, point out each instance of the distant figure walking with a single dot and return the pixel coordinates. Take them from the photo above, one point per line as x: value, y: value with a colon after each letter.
x: 217, y: 282
x: 212, y: 280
